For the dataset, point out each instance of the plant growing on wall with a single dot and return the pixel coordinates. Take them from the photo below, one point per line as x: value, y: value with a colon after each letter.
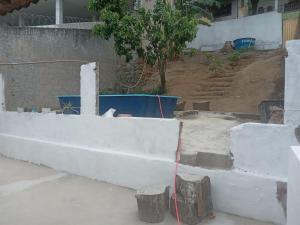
x: 156, y: 35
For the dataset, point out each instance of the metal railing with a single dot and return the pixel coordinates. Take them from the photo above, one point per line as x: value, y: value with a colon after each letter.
x: 26, y: 19
x: 292, y: 6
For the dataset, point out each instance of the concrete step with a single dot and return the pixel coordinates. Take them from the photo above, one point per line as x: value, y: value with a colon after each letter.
x: 223, y: 75
x: 210, y: 93
x: 203, y: 98
x: 225, y: 79
x: 206, y: 160
x: 214, y: 89
x: 215, y: 84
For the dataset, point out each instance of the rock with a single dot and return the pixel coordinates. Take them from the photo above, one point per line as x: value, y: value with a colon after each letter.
x: 180, y: 106
x: 276, y: 115
x: 153, y: 203
x: 201, y: 106
x: 190, y: 114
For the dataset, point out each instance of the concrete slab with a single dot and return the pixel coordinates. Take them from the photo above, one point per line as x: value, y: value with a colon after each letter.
x: 45, y: 196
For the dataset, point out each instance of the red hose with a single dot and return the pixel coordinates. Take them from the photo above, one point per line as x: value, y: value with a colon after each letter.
x: 177, y: 163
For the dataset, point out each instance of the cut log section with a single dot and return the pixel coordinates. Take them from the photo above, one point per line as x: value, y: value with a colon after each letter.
x: 193, y: 197
x: 188, y: 212
x: 153, y: 203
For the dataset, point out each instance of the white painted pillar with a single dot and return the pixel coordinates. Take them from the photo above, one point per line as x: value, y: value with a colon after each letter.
x: 20, y: 20
x: 59, y: 12
x: 88, y: 89
x: 276, y: 6
x: 293, y: 199
x: 292, y: 84
x: 2, y: 94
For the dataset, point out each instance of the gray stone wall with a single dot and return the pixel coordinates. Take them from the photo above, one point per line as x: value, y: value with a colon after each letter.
x: 38, y: 85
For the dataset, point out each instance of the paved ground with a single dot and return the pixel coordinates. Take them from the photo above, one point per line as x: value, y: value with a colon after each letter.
x: 35, y: 195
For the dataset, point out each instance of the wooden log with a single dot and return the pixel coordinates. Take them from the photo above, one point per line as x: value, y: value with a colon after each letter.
x: 196, y: 190
x: 188, y: 211
x: 205, y: 204
x: 153, y: 203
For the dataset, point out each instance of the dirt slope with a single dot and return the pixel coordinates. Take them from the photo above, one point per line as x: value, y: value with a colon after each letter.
x: 235, y: 86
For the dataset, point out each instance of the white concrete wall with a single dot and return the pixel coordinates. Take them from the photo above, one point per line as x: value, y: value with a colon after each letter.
x: 266, y: 28
x: 137, y: 136
x: 262, y: 148
x: 2, y: 94
x: 293, y: 205
x: 292, y: 83
x: 129, y: 152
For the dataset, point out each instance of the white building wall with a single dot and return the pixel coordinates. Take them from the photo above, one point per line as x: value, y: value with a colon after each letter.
x: 266, y: 28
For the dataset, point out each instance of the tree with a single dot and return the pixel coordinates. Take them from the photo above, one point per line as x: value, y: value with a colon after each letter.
x: 254, y: 5
x: 154, y: 35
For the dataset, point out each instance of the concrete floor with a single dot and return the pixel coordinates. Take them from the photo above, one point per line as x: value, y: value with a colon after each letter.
x: 36, y: 195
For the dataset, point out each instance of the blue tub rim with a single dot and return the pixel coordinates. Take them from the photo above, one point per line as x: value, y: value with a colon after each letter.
x: 126, y: 95
x: 252, y: 39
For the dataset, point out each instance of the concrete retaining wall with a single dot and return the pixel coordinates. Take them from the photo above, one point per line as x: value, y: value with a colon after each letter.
x: 130, y: 152
x: 123, y: 135
x: 38, y: 84
x: 294, y: 187
x: 268, y: 33
x: 262, y: 148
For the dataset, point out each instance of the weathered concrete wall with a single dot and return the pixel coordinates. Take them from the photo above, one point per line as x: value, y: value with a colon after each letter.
x: 129, y: 152
x: 39, y: 84
x: 268, y: 33
x: 293, y: 207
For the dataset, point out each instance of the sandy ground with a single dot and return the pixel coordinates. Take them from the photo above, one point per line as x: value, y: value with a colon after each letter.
x: 232, y: 87
x: 35, y: 195
x: 209, y: 132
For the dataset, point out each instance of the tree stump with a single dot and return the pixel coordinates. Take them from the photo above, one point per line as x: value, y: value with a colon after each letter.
x: 153, y: 203
x: 188, y: 211
x: 227, y: 48
x: 193, y: 198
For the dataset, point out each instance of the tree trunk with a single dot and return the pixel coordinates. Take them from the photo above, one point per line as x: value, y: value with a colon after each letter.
x: 254, y: 4
x: 162, y: 73
x: 153, y: 203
